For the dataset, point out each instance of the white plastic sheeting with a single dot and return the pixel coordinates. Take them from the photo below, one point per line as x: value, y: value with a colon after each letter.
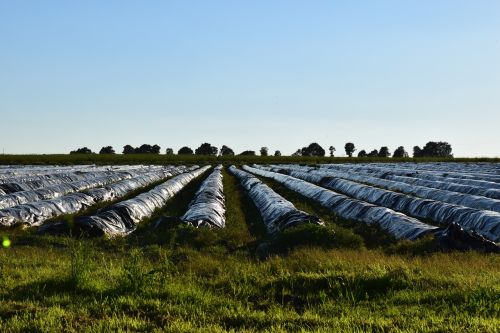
x: 53, y: 174
x: 460, y: 188
x: 397, y: 224
x: 11, y: 171
x: 34, y: 214
x: 486, y: 223
x: 49, y: 192
x: 461, y: 199
x: 207, y: 208
x: 421, y: 174
x: 27, y: 183
x: 452, y: 170
x: 474, y: 169
x: 90, y: 181
x: 122, y: 218
x: 277, y: 213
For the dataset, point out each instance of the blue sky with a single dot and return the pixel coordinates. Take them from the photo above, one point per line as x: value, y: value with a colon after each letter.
x: 248, y: 74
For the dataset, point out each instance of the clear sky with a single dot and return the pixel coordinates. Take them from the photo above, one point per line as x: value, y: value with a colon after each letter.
x: 248, y: 74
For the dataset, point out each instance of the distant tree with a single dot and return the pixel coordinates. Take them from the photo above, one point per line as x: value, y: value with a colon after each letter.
x: 169, y: 151
x: 384, y: 152
x: 373, y: 153
x: 437, y: 149
x: 264, y: 151
x: 155, y: 149
x: 144, y: 149
x: 128, y: 149
x: 206, y: 149
x: 349, y: 149
x: 107, y: 150
x: 83, y: 150
x: 417, y: 151
x: 185, y: 151
x: 362, y: 153
x: 314, y: 149
x: 400, y: 152
x: 297, y: 153
x: 248, y: 153
x: 277, y: 153
x: 226, y: 151
x: 332, y: 150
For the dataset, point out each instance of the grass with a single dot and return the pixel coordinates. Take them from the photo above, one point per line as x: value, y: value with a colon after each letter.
x: 181, y: 279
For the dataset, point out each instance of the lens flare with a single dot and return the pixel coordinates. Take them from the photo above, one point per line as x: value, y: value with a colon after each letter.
x: 6, y: 242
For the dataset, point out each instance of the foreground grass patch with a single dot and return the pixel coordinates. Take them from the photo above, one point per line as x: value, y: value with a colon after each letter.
x: 106, y: 287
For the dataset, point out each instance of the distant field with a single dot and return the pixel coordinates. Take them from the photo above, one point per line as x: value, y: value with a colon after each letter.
x: 356, y: 272
x: 66, y: 159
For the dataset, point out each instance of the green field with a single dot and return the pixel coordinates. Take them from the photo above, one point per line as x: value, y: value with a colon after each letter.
x: 342, y: 278
x: 64, y: 159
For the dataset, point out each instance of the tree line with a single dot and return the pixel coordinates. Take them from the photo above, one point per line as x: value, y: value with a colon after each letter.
x: 431, y: 149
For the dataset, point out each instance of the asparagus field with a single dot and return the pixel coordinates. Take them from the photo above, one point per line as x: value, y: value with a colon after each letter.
x: 251, y: 247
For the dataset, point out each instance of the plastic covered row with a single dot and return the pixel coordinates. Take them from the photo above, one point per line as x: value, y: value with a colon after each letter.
x: 397, y: 224
x: 34, y: 214
x: 445, y: 170
x: 486, y: 223
x: 207, y: 208
x: 455, y: 198
x: 277, y: 213
x: 49, y: 192
x: 418, y: 174
x: 123, y: 217
x: 484, y: 168
x: 48, y: 172
x: 442, y: 185
x: 12, y: 185
x: 27, y: 170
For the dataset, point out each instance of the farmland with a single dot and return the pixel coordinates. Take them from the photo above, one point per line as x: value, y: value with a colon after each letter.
x: 279, y: 244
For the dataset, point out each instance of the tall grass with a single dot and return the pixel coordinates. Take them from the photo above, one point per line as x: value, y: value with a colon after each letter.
x: 80, y: 265
x: 188, y: 289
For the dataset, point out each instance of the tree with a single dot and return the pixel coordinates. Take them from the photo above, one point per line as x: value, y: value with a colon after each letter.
x: 83, y: 150
x: 417, y: 151
x: 107, y: 150
x: 313, y: 149
x: 226, y: 151
x: 436, y: 149
x: 248, y: 153
x: 155, y: 149
x: 169, y: 151
x: 362, y: 153
x: 400, y: 152
x: 264, y: 151
x: 206, y: 149
x: 349, y: 149
x: 185, y: 151
x: 297, y: 153
x: 384, y: 152
x: 128, y: 149
x: 277, y: 153
x: 373, y: 153
x: 144, y: 149
x: 332, y: 150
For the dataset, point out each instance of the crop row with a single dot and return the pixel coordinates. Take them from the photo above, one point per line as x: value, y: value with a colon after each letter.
x: 372, y: 194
